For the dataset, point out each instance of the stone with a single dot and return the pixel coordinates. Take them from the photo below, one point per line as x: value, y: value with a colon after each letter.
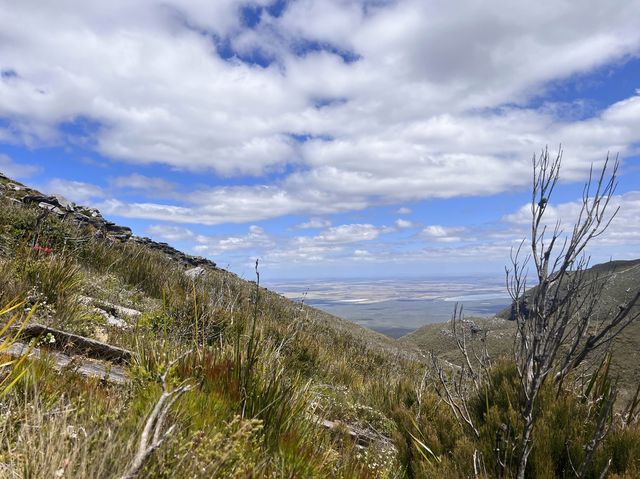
x: 111, y: 320
x: 101, y: 228
x: 38, y: 198
x: 54, y: 209
x: 66, y: 204
x: 194, y: 273
x: 114, y: 230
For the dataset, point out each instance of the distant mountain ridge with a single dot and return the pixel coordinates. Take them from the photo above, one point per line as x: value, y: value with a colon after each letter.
x: 618, y: 282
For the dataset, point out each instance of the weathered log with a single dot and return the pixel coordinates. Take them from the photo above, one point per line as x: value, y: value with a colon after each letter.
x: 87, y: 368
x: 74, y: 344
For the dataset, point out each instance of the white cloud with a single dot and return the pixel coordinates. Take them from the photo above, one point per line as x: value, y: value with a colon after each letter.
x: 338, y: 242
x: 431, y: 102
x: 136, y: 181
x: 329, y: 245
x: 235, y: 205
x: 170, y: 233
x: 623, y: 230
x: 363, y: 255
x: 256, y: 240
x: 344, y: 234
x: 77, y: 191
x: 403, y: 224
x: 301, y: 253
x: 161, y: 93
x: 367, y: 243
x: 444, y: 234
x: 314, y: 223
x: 11, y: 169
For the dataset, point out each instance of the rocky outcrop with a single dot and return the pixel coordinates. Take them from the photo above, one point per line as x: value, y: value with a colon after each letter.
x: 91, y: 218
x: 78, y: 214
x: 176, y: 255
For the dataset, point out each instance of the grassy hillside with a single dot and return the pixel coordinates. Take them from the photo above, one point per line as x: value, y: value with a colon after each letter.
x: 618, y: 281
x: 246, y: 382
x: 496, y: 333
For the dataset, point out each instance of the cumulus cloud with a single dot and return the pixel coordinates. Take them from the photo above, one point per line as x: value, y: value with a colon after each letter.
x: 314, y: 223
x: 256, y: 239
x: 344, y: 234
x: 365, y: 242
x: 403, y: 224
x: 136, y: 181
x: 334, y: 243
x: 10, y: 168
x: 329, y: 245
x: 623, y: 230
x: 77, y: 191
x: 235, y: 205
x: 444, y: 234
x: 169, y: 82
x: 352, y: 104
x: 170, y: 232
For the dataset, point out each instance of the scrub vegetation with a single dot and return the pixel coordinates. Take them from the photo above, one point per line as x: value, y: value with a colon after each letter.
x: 227, y: 379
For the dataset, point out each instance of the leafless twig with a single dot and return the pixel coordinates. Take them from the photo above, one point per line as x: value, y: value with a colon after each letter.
x: 153, y: 435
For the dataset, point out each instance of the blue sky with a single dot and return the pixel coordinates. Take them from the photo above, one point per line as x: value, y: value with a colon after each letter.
x: 328, y: 138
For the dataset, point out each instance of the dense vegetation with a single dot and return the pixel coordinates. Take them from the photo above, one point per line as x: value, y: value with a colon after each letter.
x: 260, y: 375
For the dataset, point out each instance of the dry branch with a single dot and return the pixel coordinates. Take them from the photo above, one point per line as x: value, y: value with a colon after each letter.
x: 153, y: 434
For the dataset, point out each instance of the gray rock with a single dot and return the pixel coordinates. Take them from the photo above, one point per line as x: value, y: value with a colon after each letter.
x: 111, y: 320
x: 101, y: 228
x: 66, y: 204
x: 114, y: 230
x: 14, y: 187
x: 176, y: 255
x: 54, y: 209
x: 194, y: 273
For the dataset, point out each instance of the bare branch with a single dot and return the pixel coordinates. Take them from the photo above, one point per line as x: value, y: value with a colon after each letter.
x: 153, y: 436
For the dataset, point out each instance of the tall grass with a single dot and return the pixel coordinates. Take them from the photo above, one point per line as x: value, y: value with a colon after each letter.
x: 10, y: 373
x: 264, y: 371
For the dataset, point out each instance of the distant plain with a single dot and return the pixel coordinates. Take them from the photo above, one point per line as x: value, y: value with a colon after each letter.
x: 397, y: 307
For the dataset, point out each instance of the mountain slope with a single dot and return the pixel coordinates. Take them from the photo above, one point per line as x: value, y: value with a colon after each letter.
x: 291, y: 383
x: 617, y: 281
x: 126, y: 335
x: 92, y: 226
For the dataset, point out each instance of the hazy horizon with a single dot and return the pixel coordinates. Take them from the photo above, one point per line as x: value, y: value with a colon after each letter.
x: 398, y: 306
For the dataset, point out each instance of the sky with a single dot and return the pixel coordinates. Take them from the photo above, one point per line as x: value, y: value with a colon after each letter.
x: 326, y: 138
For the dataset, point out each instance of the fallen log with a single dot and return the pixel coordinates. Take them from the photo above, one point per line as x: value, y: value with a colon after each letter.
x: 73, y: 344
x: 87, y: 368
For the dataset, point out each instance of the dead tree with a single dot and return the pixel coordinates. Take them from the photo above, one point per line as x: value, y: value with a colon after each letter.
x: 556, y: 325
